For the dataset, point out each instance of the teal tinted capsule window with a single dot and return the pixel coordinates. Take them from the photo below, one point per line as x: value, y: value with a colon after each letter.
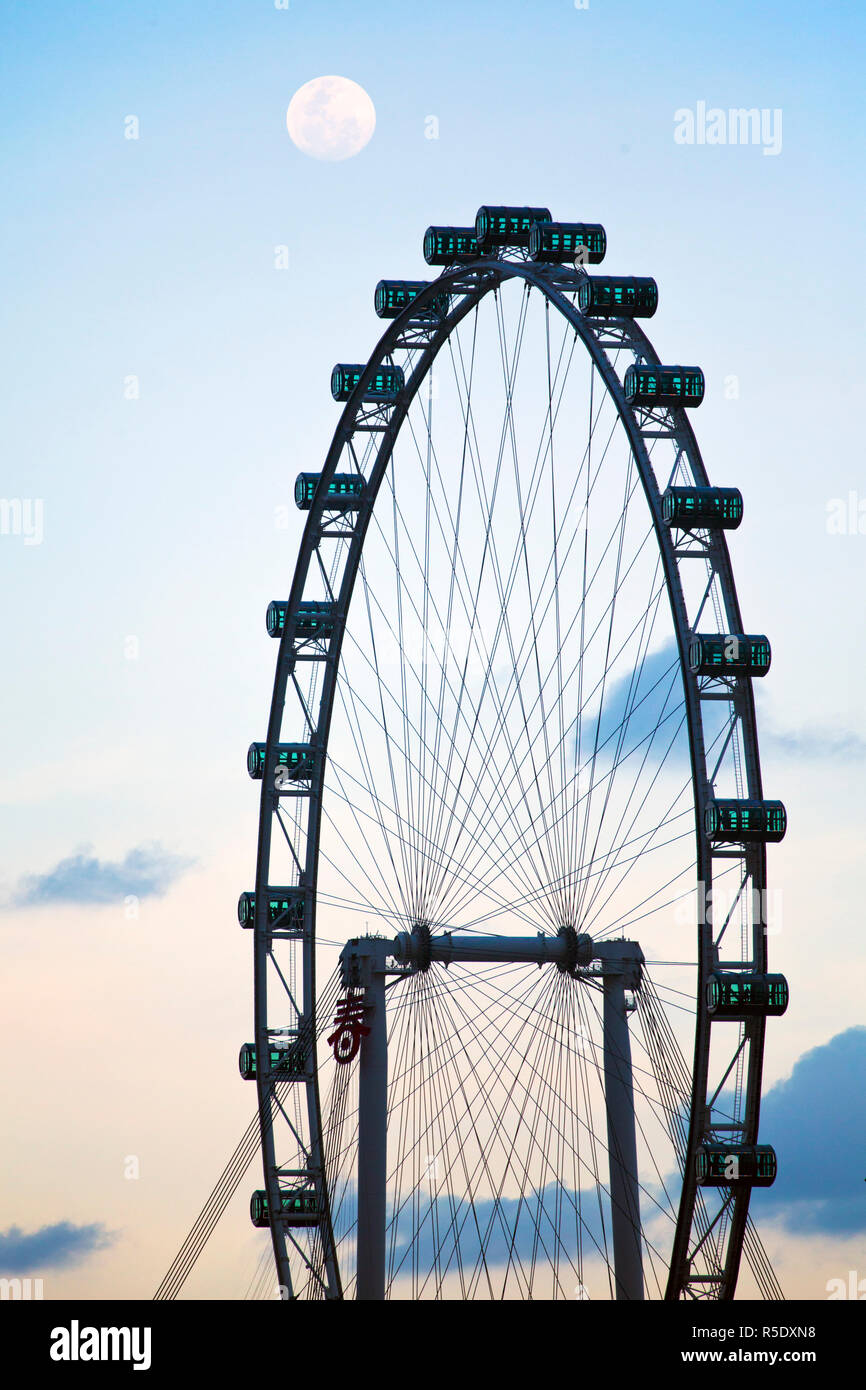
x: 558, y: 243
x: 247, y: 1062
x: 693, y: 385
x: 728, y: 506
x: 778, y: 994
x: 247, y: 909
x: 501, y: 226
x: 300, y: 1203
x: 385, y: 384
x: 692, y: 507
x: 393, y: 296
x: 746, y: 821
x: 296, y: 761
x: 344, y: 490
x: 275, y: 618
x: 735, y: 1165
x: 259, y: 1208
x: 660, y: 386
x: 315, y: 619
x: 736, y: 653
x: 285, y: 909
x: 765, y: 1164
x: 606, y: 296
x: 639, y: 382
x: 288, y: 1061
x: 741, y: 995
x: 297, y: 1208
x: 759, y: 656
x: 256, y: 760
x: 449, y: 245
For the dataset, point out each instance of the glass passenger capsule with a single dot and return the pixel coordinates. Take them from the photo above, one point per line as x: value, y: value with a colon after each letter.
x: 664, y: 386
x: 746, y: 822
x: 557, y: 243
x: 285, y: 1061
x: 393, y: 296
x: 285, y: 909
x: 385, y: 384
x: 315, y: 618
x: 738, y: 995
x: 506, y: 226
x: 735, y: 654
x: 275, y: 618
x: 299, y: 1207
x: 345, y: 490
x: 450, y: 245
x: 735, y: 1165
x: 296, y: 762
x: 690, y: 508
x: 614, y: 297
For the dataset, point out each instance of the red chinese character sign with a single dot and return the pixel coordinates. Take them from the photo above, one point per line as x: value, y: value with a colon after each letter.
x: 349, y: 1027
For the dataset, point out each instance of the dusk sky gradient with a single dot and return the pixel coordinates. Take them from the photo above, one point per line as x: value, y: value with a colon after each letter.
x: 124, y: 760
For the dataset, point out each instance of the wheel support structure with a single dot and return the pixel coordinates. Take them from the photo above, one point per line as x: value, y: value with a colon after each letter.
x: 616, y: 963
x: 698, y: 1267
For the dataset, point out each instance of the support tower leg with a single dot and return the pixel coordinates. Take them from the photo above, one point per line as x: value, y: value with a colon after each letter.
x: 621, y: 1143
x: 373, y: 1141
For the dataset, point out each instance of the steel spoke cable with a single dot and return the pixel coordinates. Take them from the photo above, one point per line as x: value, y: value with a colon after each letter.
x: 481, y: 491
x: 506, y: 786
x: 497, y: 1216
x: 217, y: 1201
x: 469, y: 1102
x: 669, y: 815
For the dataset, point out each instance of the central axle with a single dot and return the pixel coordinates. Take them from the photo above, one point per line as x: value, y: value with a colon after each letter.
x: 568, y: 951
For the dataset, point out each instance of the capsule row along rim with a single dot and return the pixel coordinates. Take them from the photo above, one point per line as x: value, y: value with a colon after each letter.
x: 716, y: 1165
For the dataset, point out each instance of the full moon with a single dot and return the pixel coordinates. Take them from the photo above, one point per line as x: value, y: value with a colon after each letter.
x: 331, y: 118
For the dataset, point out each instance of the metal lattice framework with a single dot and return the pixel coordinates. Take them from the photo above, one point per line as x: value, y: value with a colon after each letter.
x: 338, y: 825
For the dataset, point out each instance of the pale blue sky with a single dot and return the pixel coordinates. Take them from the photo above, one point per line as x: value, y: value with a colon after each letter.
x: 155, y: 258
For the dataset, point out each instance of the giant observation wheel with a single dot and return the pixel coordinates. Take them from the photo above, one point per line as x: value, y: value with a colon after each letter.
x: 511, y: 976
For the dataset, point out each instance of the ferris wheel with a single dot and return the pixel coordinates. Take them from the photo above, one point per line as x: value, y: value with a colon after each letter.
x: 511, y: 861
